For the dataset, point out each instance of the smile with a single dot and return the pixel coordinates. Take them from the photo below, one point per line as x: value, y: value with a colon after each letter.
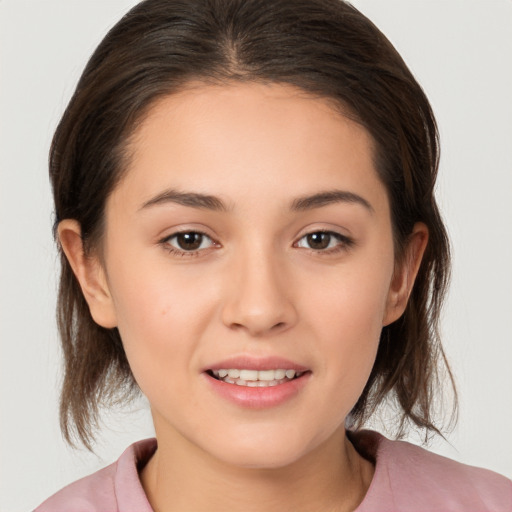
x: 256, y: 382
x: 255, y: 378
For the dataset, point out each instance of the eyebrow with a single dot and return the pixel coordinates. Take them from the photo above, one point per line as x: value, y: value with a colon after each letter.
x: 209, y: 202
x: 329, y: 197
x: 191, y: 199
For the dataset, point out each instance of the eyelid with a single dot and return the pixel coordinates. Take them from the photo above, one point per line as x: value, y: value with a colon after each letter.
x: 164, y: 242
x: 345, y: 241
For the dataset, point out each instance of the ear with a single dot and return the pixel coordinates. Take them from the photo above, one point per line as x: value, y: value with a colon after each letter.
x: 405, y: 273
x: 89, y: 272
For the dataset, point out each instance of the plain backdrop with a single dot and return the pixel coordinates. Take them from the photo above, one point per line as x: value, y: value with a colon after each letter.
x: 460, y: 51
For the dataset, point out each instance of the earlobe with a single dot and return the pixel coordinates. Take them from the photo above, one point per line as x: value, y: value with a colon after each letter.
x: 405, y: 275
x: 89, y: 272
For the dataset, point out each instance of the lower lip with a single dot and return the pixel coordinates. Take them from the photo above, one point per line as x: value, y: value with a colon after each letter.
x: 258, y: 398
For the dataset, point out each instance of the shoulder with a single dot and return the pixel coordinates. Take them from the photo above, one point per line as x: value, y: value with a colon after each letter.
x: 456, y: 486
x: 413, y: 478
x: 85, y: 494
x: 115, y: 488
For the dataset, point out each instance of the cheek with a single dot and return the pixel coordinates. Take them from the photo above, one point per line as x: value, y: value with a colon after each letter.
x: 347, y: 312
x: 161, y: 318
x: 352, y: 301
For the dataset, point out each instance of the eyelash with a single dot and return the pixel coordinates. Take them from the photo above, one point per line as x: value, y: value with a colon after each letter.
x: 165, y: 242
x: 345, y: 243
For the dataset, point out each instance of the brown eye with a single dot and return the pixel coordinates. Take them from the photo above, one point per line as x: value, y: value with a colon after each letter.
x: 319, y: 240
x: 189, y: 241
x: 324, y: 241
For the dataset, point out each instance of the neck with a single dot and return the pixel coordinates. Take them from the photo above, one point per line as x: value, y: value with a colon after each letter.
x: 180, y: 477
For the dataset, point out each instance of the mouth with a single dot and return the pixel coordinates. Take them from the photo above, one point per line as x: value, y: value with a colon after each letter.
x: 257, y: 383
x: 255, y: 378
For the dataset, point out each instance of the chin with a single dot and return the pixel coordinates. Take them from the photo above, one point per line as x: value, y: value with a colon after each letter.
x: 265, y: 450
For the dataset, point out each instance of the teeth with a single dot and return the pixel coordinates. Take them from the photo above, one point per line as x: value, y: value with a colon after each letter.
x: 249, y: 374
x: 280, y: 374
x: 266, y: 375
x: 255, y: 378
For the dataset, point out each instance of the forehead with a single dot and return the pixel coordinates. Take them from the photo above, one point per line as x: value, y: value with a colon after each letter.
x: 249, y: 140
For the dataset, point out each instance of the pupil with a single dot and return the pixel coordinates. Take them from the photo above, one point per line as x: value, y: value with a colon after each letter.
x: 319, y: 240
x: 190, y: 241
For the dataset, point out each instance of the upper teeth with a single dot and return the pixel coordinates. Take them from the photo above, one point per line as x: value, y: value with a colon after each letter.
x: 253, y: 375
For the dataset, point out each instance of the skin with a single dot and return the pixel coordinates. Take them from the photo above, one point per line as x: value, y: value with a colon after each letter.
x: 254, y: 287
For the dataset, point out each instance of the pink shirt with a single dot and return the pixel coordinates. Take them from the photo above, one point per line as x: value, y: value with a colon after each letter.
x: 407, y: 479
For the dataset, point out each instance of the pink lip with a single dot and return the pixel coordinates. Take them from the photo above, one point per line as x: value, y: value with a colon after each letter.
x: 257, y: 363
x: 257, y: 398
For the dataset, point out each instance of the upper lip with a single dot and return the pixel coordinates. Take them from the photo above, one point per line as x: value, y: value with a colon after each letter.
x: 246, y: 362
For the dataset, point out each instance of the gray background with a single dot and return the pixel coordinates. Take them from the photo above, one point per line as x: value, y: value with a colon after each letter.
x: 460, y: 51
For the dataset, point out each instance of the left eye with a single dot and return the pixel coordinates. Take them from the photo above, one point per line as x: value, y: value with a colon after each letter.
x: 321, y: 240
x: 190, y: 241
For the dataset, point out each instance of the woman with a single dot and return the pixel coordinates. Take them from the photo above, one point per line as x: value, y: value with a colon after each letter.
x: 244, y: 201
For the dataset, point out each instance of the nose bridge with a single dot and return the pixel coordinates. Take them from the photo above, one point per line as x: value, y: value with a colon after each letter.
x: 258, y: 299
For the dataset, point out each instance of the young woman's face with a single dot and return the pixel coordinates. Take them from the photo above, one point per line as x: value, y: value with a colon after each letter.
x: 251, y: 234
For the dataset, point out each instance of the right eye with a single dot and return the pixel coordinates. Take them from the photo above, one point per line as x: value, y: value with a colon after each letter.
x: 187, y: 243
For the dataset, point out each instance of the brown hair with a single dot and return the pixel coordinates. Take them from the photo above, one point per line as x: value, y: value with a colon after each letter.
x: 324, y: 47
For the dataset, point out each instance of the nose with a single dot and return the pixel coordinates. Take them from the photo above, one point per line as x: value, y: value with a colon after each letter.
x: 258, y: 298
